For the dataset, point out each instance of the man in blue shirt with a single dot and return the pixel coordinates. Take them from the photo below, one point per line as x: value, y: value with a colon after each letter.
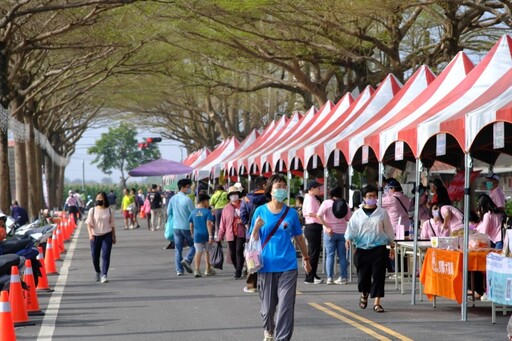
x: 19, y: 214
x: 179, y: 209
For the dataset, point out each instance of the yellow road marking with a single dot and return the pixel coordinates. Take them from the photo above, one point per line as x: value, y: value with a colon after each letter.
x: 370, y: 322
x: 350, y: 322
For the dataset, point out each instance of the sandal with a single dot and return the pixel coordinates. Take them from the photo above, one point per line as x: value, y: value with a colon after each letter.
x: 378, y: 308
x: 363, y: 301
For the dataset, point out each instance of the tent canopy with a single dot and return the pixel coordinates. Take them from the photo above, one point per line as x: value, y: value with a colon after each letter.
x: 160, y: 167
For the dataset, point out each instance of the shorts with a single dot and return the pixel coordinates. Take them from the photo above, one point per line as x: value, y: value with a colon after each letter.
x: 127, y: 214
x: 202, y: 247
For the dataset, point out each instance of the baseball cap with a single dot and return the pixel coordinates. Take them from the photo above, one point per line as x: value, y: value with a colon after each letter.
x: 493, y: 176
x: 313, y: 184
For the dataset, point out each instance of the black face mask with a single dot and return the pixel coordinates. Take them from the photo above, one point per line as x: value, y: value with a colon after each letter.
x: 99, y: 202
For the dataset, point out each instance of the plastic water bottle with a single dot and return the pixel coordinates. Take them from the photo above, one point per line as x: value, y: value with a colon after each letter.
x: 411, y: 232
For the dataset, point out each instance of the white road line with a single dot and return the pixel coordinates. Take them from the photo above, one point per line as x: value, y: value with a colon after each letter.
x: 52, y: 311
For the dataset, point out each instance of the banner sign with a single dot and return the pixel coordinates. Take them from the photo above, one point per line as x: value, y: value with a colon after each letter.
x: 456, y: 187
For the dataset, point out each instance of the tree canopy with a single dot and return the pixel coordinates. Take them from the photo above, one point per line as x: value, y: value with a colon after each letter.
x: 118, y: 149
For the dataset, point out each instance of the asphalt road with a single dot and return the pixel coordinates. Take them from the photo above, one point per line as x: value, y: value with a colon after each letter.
x: 145, y: 300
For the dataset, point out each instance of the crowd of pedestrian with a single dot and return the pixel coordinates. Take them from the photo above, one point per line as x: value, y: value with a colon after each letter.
x: 234, y: 215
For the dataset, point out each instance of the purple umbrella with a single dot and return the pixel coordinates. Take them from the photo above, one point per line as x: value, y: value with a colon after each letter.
x: 160, y: 167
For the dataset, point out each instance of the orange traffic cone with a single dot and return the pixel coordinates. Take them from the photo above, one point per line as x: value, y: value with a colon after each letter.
x: 32, y: 300
x: 71, y: 222
x: 49, y: 260
x: 55, y: 246
x: 17, y: 300
x: 42, y: 284
x: 66, y: 229
x: 6, y: 325
x: 60, y: 239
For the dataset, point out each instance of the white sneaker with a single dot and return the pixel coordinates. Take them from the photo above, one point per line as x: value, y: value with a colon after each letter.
x: 318, y: 281
x: 268, y: 336
x: 329, y: 281
x: 484, y: 298
x: 341, y: 281
x: 210, y: 272
x: 104, y: 279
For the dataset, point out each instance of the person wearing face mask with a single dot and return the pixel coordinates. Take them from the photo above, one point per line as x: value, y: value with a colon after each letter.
x: 232, y: 227
x: 397, y: 204
x: 434, y: 227
x: 178, y: 212
x: 370, y: 230
x: 102, y: 234
x: 275, y: 225
x: 313, y: 229
x: 492, y: 184
x: 155, y: 201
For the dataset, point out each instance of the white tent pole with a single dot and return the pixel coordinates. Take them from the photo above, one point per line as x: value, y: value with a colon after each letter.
x: 468, y: 165
x: 350, y: 172
x: 416, y: 223
x: 324, y: 258
x: 288, y: 182
x: 249, y: 183
x: 305, y: 180
x: 381, y: 173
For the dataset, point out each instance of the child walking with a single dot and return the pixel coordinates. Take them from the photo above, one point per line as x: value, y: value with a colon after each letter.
x: 201, y: 227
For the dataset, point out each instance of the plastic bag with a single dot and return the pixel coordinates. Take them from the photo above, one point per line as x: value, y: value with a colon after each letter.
x: 479, y: 241
x: 169, y: 230
x: 252, y: 255
x: 217, y: 256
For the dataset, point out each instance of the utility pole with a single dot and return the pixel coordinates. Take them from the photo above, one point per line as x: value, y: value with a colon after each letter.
x: 83, y: 175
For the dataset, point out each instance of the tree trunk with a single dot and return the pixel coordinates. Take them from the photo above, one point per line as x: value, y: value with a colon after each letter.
x: 59, y: 185
x: 5, y: 193
x: 31, y: 170
x: 20, y: 163
x: 40, y: 202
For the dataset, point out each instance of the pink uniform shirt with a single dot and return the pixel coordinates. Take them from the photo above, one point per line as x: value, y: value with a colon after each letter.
x: 432, y: 228
x: 456, y: 222
x: 491, y: 226
x: 310, y: 205
x: 395, y: 210
x: 338, y: 225
x: 498, y: 197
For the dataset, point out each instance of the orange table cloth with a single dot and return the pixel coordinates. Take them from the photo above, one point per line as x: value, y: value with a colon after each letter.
x: 441, y: 274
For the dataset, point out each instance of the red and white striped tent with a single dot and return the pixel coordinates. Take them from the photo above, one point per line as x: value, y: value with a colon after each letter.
x: 196, y: 157
x: 319, y: 151
x: 229, y: 165
x: 241, y: 163
x: 465, y: 110
x: 246, y: 143
x: 414, y: 86
x: 380, y: 140
x: 203, y: 169
x: 253, y: 160
x: 292, y: 156
x: 265, y: 159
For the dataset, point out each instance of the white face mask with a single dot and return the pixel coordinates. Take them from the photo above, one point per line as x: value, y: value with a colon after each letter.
x: 234, y: 197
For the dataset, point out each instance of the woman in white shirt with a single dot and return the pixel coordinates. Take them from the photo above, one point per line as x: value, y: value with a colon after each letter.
x: 102, y: 234
x: 312, y: 229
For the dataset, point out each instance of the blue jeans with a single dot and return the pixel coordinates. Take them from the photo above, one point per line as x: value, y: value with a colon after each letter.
x: 101, y: 246
x: 334, y: 244
x: 179, y: 237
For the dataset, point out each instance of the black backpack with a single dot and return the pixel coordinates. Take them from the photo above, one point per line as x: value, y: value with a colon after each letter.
x: 339, y: 208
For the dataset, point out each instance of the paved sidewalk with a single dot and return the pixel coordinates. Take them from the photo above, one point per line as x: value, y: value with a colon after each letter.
x: 145, y: 300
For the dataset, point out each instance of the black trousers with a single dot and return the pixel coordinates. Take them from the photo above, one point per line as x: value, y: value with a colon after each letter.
x: 236, y: 251
x: 371, y: 270
x: 313, y: 235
